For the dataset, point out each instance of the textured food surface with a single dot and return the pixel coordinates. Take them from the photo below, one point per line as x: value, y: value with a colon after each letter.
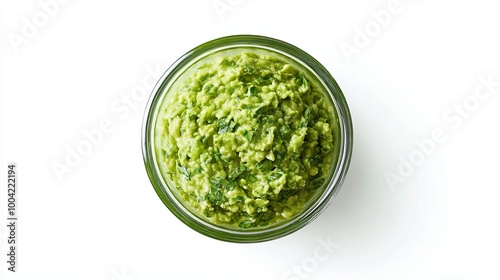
x: 246, y: 139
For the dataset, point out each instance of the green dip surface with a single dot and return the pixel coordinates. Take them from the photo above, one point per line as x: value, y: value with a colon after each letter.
x: 247, y: 139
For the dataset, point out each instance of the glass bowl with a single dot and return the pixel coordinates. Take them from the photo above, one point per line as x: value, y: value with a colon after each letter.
x: 183, y: 68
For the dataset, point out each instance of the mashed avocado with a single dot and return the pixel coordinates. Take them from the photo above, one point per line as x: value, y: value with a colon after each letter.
x: 247, y: 139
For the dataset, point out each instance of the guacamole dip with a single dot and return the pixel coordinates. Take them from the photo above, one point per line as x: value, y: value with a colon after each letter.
x: 246, y: 139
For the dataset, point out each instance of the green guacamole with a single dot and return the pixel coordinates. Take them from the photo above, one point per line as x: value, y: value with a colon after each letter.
x: 246, y: 139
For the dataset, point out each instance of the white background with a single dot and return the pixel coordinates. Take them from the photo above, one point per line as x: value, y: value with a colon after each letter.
x: 103, y: 219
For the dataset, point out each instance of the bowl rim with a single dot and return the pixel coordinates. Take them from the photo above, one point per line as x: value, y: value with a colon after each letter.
x: 256, y: 234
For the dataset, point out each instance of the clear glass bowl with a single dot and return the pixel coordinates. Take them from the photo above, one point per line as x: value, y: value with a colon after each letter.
x: 323, y: 196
